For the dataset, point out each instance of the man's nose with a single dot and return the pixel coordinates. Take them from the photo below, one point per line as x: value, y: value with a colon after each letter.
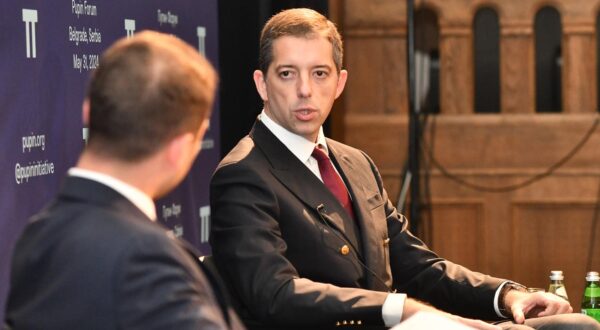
x: 304, y: 86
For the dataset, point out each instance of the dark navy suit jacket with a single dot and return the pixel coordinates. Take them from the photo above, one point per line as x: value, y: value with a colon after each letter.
x: 92, y: 260
x: 280, y: 240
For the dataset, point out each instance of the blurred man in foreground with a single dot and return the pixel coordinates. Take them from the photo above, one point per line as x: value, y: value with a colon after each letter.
x: 95, y: 258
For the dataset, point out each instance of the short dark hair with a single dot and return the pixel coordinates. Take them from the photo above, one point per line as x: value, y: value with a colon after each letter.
x: 298, y: 22
x: 147, y: 89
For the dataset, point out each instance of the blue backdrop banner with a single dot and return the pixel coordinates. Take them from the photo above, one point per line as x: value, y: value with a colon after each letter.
x: 47, y: 51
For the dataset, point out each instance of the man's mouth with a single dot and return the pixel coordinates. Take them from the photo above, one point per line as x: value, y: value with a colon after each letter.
x: 305, y: 114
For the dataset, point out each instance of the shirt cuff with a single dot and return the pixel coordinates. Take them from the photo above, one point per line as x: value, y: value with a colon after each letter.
x: 392, y: 308
x: 497, y: 303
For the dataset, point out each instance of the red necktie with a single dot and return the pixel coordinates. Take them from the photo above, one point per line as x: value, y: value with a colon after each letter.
x: 332, y: 180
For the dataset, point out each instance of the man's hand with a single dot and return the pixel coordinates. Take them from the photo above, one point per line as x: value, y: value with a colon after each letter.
x: 526, y: 305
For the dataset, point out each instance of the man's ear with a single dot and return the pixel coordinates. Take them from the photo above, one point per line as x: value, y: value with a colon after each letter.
x: 343, y: 77
x: 177, y: 149
x: 261, y: 85
x: 203, y: 128
x: 85, y: 113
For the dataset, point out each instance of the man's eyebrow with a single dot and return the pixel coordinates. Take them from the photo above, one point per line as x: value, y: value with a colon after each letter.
x: 285, y: 66
x: 291, y: 66
x: 322, y: 66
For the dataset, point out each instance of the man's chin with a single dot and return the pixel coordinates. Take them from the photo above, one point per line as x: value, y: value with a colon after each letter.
x: 309, y: 135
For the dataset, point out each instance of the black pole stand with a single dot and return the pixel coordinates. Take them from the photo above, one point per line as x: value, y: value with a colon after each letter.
x: 414, y: 127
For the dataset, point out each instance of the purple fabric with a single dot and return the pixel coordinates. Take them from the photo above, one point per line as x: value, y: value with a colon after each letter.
x: 48, y: 49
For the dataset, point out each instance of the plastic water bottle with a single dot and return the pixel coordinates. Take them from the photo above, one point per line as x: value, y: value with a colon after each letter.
x: 590, y: 305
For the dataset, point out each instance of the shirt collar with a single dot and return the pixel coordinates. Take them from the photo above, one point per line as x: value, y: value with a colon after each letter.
x: 298, y: 145
x: 133, y: 194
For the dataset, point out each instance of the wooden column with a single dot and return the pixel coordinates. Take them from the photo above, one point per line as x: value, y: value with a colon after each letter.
x: 374, y: 37
x: 517, y: 68
x: 375, y: 101
x: 579, y: 68
x: 456, y: 69
x: 376, y: 63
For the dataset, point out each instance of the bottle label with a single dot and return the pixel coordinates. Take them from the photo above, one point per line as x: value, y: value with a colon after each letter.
x: 593, y: 312
x: 561, y: 292
x: 592, y: 292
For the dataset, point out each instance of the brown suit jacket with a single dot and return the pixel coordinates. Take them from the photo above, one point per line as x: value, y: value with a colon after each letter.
x: 278, y: 238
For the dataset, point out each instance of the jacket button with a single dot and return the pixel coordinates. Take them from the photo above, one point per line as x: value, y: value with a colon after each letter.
x: 386, y: 242
x: 344, y: 250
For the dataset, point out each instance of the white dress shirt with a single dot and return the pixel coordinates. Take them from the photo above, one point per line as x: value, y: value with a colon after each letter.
x: 296, y: 144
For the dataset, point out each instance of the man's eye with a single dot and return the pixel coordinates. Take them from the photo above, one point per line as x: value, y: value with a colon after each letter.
x: 321, y: 74
x: 285, y: 74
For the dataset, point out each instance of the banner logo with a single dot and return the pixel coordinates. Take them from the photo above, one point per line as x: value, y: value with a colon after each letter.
x: 30, y: 17
x: 86, y: 134
x: 201, y: 32
x: 204, y: 223
x: 130, y: 27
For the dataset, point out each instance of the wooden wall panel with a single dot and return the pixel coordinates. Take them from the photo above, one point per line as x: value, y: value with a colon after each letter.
x: 381, y: 136
x: 579, y: 90
x: 517, y: 234
x: 492, y: 151
x: 517, y: 77
x: 519, y: 143
x: 494, y: 144
x: 456, y: 70
x: 377, y: 81
x: 552, y: 235
x: 381, y: 13
x: 456, y: 232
